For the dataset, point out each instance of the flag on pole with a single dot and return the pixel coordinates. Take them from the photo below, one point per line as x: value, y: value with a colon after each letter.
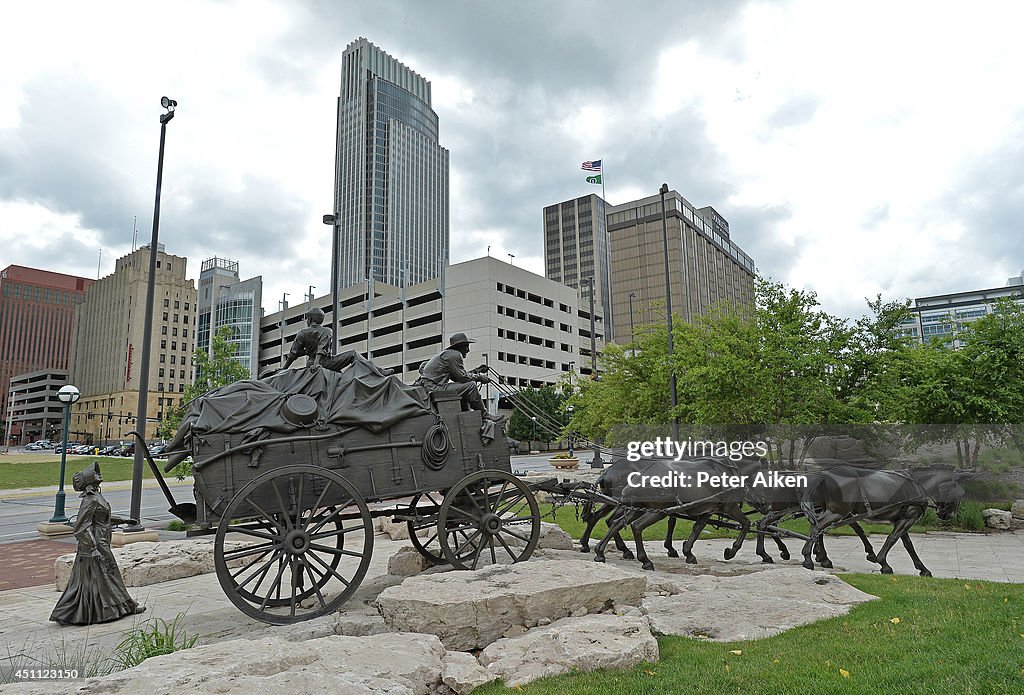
x: 594, y: 179
x: 592, y: 166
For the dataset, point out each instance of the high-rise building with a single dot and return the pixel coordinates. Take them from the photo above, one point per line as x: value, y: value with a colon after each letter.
x: 705, y: 266
x: 227, y: 301
x: 391, y: 175
x: 576, y: 248
x: 109, y: 340
x: 945, y: 315
x: 37, y: 322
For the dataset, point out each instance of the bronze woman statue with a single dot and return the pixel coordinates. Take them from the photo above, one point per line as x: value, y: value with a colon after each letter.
x: 95, y: 592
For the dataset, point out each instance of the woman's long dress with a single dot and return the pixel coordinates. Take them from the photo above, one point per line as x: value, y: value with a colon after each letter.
x: 95, y: 592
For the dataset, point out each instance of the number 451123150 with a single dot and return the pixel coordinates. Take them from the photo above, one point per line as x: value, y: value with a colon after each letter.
x: 45, y: 673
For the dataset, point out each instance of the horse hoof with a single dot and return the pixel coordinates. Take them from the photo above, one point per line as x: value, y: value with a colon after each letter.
x: 672, y: 552
x: 767, y: 560
x: 648, y: 565
x: 872, y: 558
x: 599, y: 558
x: 584, y: 548
x: 784, y: 554
x: 826, y: 563
x: 691, y: 560
x: 926, y: 573
x: 628, y: 555
x: 886, y: 569
x: 808, y: 564
x: 730, y: 553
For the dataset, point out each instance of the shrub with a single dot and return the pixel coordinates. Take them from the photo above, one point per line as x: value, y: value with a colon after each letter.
x: 154, y: 638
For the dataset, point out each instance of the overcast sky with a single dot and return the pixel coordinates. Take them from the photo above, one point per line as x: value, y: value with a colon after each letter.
x: 855, y: 148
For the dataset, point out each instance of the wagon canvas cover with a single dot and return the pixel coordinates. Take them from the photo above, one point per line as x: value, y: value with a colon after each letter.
x: 255, y: 407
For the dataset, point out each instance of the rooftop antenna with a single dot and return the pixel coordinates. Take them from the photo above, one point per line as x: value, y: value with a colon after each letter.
x: 98, y: 263
x: 135, y: 231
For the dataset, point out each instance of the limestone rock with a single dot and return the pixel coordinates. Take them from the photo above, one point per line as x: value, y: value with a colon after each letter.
x: 463, y: 673
x: 145, y: 563
x: 584, y: 644
x: 1017, y: 510
x: 998, y: 519
x: 551, y: 537
x: 469, y: 610
x: 399, y: 664
x: 407, y: 562
x: 750, y: 606
x: 395, y: 530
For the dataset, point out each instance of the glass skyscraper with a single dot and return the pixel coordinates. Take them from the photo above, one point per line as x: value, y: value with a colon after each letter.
x: 391, y: 175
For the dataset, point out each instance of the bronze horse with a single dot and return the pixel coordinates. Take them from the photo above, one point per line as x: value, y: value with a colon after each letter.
x: 845, y: 494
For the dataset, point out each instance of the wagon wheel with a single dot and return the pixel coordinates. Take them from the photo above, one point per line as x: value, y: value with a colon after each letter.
x: 489, y: 515
x: 427, y: 503
x: 294, y: 570
x: 304, y: 592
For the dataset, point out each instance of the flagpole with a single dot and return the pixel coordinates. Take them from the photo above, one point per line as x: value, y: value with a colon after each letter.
x: 603, y: 196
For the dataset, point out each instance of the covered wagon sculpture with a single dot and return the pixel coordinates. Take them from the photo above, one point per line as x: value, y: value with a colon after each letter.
x: 299, y: 463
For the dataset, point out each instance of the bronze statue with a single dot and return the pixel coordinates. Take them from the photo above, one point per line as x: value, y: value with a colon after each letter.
x: 315, y: 343
x: 95, y: 592
x: 446, y: 371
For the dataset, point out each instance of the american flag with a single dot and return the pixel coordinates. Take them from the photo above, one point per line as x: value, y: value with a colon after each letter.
x: 592, y: 166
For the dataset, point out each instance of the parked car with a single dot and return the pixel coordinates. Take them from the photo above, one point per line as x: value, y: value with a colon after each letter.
x: 34, y: 446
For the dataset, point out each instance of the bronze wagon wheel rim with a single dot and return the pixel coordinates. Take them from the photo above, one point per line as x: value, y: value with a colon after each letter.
x: 485, y: 516
x: 292, y: 513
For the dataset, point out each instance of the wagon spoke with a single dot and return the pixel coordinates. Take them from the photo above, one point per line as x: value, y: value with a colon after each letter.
x: 513, y: 533
x: 337, y: 510
x: 280, y: 502
x: 476, y: 555
x: 238, y: 553
x: 490, y: 542
x: 469, y: 541
x: 266, y: 515
x: 264, y: 569
x: 294, y: 582
x: 253, y: 532
x: 519, y: 499
x: 319, y: 500
x: 244, y: 568
x: 497, y: 500
x: 330, y: 569
x: 334, y: 551
x: 463, y: 512
x: 316, y: 584
x: 507, y: 549
x: 276, y: 583
x: 338, y: 532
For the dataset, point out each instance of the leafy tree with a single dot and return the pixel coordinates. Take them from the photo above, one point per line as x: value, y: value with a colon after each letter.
x: 211, y: 372
x: 548, y: 404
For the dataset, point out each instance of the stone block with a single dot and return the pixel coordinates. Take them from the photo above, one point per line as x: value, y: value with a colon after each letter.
x: 1017, y: 510
x: 581, y: 644
x: 998, y: 519
x: 469, y: 610
x: 408, y: 562
x: 147, y: 563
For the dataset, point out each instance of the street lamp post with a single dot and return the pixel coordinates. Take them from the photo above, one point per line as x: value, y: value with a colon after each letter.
x: 631, y: 336
x: 668, y: 310
x: 333, y: 220
x: 569, y: 410
x: 533, y: 437
x: 67, y: 395
x: 135, y: 511
x: 593, y: 331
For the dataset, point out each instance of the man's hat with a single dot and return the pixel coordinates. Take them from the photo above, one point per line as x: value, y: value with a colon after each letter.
x: 460, y: 339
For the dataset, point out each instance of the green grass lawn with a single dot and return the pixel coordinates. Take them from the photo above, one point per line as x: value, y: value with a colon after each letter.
x: 40, y: 470
x: 922, y: 636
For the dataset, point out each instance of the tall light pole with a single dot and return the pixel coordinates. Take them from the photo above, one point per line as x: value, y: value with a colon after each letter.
x: 668, y: 309
x: 333, y: 220
x: 135, y: 511
x: 593, y: 331
x: 569, y: 409
x: 510, y: 257
x: 631, y: 336
x: 67, y: 395
x: 309, y: 297
x: 283, y: 306
x: 533, y: 437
